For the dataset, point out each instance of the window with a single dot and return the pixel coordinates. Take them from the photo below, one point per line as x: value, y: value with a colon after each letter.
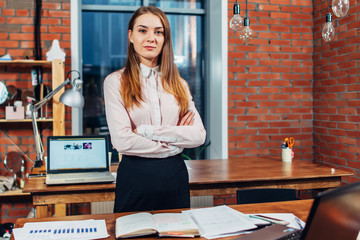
x: 103, y: 25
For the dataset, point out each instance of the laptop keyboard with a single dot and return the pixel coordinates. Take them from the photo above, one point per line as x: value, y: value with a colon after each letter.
x: 81, y: 175
x: 293, y: 236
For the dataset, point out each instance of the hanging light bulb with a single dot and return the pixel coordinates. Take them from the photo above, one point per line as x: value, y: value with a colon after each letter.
x: 328, y: 30
x: 340, y: 7
x: 246, y: 34
x: 236, y: 21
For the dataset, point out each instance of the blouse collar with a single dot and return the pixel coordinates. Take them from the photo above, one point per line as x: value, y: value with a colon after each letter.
x: 146, y: 71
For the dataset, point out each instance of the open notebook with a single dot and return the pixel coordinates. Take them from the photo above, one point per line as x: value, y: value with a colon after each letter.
x: 77, y: 159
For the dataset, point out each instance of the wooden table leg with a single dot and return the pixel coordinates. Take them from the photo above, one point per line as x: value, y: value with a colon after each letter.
x: 41, y: 211
x: 60, y: 210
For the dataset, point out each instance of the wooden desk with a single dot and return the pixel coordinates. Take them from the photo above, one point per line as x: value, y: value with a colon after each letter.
x: 207, y: 177
x: 215, y: 177
x: 300, y: 208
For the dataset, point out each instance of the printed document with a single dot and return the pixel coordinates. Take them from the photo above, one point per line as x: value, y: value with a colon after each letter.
x: 56, y: 230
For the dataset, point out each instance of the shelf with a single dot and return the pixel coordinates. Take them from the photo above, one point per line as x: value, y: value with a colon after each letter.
x: 26, y: 63
x: 25, y: 120
x: 14, y: 193
x: 57, y: 70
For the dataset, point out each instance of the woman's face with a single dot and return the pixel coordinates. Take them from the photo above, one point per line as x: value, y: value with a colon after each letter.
x: 147, y: 37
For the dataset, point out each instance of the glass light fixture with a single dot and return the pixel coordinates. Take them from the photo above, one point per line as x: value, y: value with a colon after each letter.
x: 236, y: 21
x: 328, y: 30
x: 340, y: 7
x: 246, y: 34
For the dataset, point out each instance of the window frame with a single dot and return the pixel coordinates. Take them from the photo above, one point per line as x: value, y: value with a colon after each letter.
x: 216, y: 86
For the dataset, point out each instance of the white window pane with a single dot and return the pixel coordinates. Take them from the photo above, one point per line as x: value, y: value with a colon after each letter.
x: 190, y: 4
x: 113, y: 2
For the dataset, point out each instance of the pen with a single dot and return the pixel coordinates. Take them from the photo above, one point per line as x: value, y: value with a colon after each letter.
x: 298, y: 221
x: 269, y: 219
x: 174, y: 233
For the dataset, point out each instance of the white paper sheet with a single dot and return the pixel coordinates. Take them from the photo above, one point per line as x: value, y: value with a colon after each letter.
x: 86, y: 229
x: 220, y: 221
x: 291, y: 218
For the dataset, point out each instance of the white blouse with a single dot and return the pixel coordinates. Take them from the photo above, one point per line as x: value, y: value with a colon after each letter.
x: 155, y: 120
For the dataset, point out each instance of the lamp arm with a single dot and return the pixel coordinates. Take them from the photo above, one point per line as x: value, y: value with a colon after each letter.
x: 38, y: 143
x: 39, y: 104
x: 34, y: 108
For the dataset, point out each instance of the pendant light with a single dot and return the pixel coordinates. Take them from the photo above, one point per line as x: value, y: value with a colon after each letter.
x: 247, y: 33
x: 328, y: 30
x: 340, y: 7
x: 236, y: 21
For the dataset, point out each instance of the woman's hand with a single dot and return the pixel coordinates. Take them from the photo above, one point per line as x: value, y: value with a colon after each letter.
x: 188, y: 119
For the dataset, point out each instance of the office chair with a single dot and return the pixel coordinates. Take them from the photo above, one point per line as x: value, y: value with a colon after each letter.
x: 265, y: 195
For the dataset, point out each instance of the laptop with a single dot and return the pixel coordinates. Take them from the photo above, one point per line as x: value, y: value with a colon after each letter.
x: 334, y: 215
x: 77, y: 159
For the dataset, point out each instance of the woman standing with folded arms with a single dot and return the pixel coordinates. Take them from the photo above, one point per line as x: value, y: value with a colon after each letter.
x: 151, y: 117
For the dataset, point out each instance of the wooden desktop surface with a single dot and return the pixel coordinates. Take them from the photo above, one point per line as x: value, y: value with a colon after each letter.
x: 212, y: 177
x: 299, y: 208
x: 225, y: 171
x: 207, y: 177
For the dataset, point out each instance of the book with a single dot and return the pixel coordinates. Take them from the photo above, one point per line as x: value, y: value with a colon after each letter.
x: 163, y: 224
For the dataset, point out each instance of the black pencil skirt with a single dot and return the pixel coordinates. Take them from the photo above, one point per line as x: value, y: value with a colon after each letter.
x: 145, y: 184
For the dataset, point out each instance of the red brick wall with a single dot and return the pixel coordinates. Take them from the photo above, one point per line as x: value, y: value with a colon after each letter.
x: 270, y: 79
x: 12, y: 208
x: 287, y: 81
x: 17, y: 39
x: 337, y: 91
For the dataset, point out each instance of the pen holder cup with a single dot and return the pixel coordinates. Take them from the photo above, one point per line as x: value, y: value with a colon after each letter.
x: 286, y: 154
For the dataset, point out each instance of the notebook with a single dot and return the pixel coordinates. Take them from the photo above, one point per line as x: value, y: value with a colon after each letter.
x: 334, y: 215
x: 77, y: 159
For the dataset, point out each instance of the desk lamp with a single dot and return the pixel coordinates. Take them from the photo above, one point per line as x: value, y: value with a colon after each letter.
x: 71, y: 97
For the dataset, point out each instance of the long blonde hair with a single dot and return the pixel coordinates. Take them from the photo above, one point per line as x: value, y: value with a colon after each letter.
x: 170, y: 78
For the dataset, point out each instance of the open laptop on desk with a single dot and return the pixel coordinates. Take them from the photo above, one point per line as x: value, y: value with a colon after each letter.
x: 77, y: 159
x: 335, y: 215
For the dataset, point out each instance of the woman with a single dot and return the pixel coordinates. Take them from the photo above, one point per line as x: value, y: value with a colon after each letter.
x: 151, y: 118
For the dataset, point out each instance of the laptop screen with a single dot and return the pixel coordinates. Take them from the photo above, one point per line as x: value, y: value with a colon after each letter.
x: 335, y: 215
x: 67, y: 154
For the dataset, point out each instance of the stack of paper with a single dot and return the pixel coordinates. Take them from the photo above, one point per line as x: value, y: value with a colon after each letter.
x: 86, y: 229
x: 6, y: 57
x: 294, y: 222
x: 221, y: 221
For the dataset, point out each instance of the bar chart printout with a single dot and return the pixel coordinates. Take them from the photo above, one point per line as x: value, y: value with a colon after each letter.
x: 86, y: 229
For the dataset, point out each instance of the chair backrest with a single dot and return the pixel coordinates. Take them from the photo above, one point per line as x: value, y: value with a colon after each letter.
x: 265, y: 195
